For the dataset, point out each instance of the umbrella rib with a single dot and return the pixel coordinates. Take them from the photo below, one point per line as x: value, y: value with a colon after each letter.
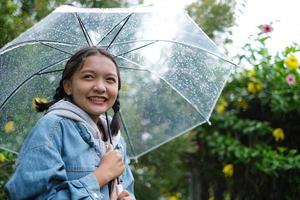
x: 34, y: 42
x: 9, y: 150
x: 41, y: 71
x: 26, y: 80
x: 133, y: 41
x: 116, y: 35
x: 170, y: 85
x: 49, y: 72
x: 146, y: 70
x: 113, y: 28
x: 85, y: 33
x: 126, y: 131
x: 137, y: 48
x: 193, y: 46
x: 176, y: 42
x: 47, y: 45
x: 152, y: 72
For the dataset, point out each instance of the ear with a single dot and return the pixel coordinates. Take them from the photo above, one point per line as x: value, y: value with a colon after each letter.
x: 67, y: 87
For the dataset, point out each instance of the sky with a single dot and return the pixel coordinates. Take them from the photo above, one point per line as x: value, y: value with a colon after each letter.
x: 284, y: 14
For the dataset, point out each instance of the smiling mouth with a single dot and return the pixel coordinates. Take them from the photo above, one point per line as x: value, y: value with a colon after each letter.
x: 97, y: 100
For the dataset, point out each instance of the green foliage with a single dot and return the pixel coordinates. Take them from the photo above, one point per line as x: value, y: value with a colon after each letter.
x: 213, y: 16
x: 7, y: 161
x: 254, y: 106
x: 104, y: 3
x: 12, y: 21
x: 257, y: 130
x: 163, y: 172
x: 15, y: 18
x: 166, y: 172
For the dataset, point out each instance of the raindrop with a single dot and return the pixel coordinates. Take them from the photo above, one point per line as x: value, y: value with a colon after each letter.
x: 51, y: 78
x: 146, y: 136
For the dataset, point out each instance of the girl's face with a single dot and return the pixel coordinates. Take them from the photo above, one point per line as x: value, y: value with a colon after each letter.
x: 94, y: 86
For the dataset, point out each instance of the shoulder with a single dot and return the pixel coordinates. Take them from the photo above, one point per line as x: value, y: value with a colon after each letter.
x: 45, y: 133
x: 46, y: 125
x: 52, y: 121
x: 49, y: 119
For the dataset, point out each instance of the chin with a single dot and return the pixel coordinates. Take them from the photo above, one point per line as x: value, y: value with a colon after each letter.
x: 98, y: 112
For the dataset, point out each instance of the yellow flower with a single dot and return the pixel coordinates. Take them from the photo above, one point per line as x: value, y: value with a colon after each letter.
x: 9, y: 127
x: 254, y: 87
x: 173, y: 198
x: 251, y: 87
x: 258, y: 86
x: 2, y: 157
x: 251, y: 72
x: 38, y: 100
x: 228, y: 170
x: 177, y: 196
x: 221, y: 106
x: 278, y: 134
x: 291, y: 62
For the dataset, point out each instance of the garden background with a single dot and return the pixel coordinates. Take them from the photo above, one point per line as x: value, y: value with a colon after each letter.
x: 251, y: 150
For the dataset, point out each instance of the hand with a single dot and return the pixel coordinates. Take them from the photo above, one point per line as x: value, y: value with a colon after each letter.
x: 111, y: 166
x: 125, y: 195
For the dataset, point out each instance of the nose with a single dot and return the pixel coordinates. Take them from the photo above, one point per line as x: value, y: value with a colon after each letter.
x: 99, y: 87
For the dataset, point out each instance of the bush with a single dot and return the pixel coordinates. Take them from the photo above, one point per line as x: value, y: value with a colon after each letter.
x: 254, y: 137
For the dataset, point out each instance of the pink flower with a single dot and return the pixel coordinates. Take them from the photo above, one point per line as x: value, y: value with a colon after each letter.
x: 290, y: 79
x: 267, y: 28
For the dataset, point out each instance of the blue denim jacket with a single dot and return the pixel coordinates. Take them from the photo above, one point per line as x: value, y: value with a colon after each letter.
x: 57, y: 161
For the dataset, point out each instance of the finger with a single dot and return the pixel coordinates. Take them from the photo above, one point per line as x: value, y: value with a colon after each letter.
x: 124, y: 194
x: 120, y: 155
x: 119, y: 189
x: 118, y: 150
x: 109, y: 148
x: 126, y: 198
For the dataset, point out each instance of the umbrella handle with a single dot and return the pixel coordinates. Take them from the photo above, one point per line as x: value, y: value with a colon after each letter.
x: 119, y: 189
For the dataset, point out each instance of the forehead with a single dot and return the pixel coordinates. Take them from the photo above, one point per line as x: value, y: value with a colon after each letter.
x: 98, y: 62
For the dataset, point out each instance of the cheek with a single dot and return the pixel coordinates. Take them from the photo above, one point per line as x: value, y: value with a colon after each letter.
x: 80, y: 90
x: 114, y: 93
x: 67, y: 87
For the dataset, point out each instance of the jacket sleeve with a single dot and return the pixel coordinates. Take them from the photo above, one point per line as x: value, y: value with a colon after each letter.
x: 40, y: 173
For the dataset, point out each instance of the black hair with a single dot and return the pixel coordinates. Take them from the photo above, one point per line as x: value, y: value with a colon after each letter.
x: 71, y: 66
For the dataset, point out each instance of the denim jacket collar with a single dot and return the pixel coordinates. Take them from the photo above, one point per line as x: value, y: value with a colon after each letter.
x: 69, y: 110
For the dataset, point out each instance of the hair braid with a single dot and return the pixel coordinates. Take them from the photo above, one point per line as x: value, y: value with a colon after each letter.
x: 115, y: 122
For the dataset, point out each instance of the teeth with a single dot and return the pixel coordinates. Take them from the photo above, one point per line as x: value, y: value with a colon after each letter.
x: 97, y: 99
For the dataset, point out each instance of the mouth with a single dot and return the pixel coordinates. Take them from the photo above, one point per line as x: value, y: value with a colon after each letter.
x: 97, y: 100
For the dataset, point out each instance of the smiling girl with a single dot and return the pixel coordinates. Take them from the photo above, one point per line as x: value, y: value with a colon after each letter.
x: 68, y: 154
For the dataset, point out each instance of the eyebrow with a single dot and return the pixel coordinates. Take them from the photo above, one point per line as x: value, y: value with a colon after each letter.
x: 87, y: 71
x: 93, y: 72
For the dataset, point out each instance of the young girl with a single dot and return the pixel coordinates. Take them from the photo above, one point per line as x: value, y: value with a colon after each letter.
x: 68, y: 154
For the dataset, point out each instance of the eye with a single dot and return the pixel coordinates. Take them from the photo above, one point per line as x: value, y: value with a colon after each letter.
x: 88, y: 77
x: 111, y: 79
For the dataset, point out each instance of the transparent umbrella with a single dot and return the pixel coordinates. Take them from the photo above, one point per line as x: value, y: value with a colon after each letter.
x: 172, y: 73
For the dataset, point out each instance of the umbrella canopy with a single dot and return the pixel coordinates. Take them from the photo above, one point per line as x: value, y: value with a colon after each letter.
x: 172, y: 73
